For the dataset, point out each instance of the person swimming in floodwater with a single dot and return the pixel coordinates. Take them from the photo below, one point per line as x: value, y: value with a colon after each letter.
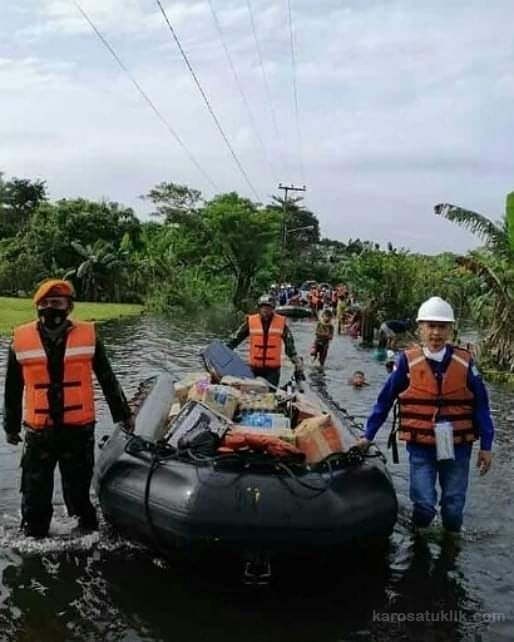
x: 358, y: 379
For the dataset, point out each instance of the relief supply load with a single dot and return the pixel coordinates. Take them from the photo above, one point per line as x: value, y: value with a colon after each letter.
x: 265, y: 420
x: 221, y: 399
x: 183, y: 386
x: 305, y: 409
x: 246, y: 385
x: 253, y: 402
x: 214, y: 492
x: 317, y: 438
x: 266, y: 423
x: 197, y: 428
x: 271, y: 445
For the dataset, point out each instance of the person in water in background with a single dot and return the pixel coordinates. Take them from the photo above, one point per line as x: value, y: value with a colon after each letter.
x: 368, y: 322
x: 354, y: 321
x: 50, y: 364
x: 390, y: 361
x: 358, y: 379
x: 267, y: 330
x: 341, y: 310
x: 441, y: 395
x: 323, y: 337
x: 390, y: 331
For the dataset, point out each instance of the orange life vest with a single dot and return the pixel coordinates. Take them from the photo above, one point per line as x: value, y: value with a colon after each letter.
x: 422, y: 403
x: 266, y: 349
x: 77, y: 387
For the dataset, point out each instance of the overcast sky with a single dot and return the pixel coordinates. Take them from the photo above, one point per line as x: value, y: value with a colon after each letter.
x: 402, y: 104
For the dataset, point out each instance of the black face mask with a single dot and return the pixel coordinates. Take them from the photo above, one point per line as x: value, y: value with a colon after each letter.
x: 52, y: 318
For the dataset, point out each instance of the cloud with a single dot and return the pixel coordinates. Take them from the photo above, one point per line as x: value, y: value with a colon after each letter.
x: 402, y: 105
x: 136, y: 17
x: 31, y: 73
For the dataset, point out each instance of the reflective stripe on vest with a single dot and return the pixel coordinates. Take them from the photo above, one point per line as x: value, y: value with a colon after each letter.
x: 421, y: 404
x: 266, y: 349
x: 77, y: 386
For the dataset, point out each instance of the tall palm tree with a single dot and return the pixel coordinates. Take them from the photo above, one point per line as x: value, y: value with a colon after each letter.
x: 494, y: 264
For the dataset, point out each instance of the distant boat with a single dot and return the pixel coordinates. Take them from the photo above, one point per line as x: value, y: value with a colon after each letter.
x: 295, y: 311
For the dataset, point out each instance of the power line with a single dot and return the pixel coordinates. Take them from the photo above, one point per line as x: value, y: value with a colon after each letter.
x: 264, y: 76
x: 240, y: 88
x: 295, y: 90
x: 206, y: 100
x: 146, y: 97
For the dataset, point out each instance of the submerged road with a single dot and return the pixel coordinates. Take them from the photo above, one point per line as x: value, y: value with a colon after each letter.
x: 101, y: 588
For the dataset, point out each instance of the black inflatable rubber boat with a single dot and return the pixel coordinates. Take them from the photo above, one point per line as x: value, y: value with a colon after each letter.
x: 295, y: 311
x: 255, y: 507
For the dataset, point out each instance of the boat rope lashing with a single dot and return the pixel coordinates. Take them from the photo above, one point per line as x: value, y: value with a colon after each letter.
x: 156, y: 462
x: 391, y: 440
x: 318, y: 489
x: 317, y: 383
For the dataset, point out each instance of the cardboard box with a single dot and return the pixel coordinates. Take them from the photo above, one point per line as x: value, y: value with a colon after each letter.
x: 318, y: 439
x: 306, y: 410
x: 183, y: 386
x: 193, y: 418
x: 258, y: 401
x: 174, y: 410
x: 245, y: 385
x: 221, y: 399
x: 311, y: 423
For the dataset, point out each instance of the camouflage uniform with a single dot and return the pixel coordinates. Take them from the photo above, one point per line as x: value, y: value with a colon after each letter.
x: 270, y: 374
x: 72, y: 447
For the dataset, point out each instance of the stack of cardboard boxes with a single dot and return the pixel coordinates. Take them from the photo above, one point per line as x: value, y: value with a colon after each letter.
x: 249, y: 407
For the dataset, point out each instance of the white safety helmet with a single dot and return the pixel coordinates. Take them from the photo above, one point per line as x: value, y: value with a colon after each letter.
x: 266, y: 299
x: 436, y: 309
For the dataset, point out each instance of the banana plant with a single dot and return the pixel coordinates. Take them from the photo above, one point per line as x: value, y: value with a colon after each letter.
x: 494, y: 264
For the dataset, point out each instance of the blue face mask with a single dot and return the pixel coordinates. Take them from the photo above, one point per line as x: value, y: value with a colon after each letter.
x: 52, y: 318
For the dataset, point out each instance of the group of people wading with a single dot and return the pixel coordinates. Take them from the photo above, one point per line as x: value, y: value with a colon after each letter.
x: 443, y: 404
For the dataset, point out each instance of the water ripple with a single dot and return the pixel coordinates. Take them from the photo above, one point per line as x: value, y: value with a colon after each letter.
x: 99, y: 587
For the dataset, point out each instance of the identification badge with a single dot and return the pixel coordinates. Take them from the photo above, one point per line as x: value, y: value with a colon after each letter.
x: 444, y: 441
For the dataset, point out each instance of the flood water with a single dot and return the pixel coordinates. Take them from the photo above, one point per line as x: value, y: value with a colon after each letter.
x: 99, y: 587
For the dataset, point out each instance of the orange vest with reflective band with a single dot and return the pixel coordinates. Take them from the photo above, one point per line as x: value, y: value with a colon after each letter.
x: 77, y: 387
x: 266, y: 349
x: 422, y: 404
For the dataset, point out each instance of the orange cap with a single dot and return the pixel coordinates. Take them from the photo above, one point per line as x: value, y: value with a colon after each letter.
x: 53, y: 287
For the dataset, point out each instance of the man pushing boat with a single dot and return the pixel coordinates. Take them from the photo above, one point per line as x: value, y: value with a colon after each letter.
x: 444, y: 408
x: 266, y: 331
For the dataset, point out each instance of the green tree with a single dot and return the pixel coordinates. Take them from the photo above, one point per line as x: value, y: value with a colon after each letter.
x: 494, y: 264
x: 241, y: 239
x: 174, y: 203
x: 101, y: 272
x: 19, y: 198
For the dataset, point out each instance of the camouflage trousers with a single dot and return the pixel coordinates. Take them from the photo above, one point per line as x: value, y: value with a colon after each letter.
x: 72, y: 448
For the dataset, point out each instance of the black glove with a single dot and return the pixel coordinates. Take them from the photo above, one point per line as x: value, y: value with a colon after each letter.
x: 13, y: 438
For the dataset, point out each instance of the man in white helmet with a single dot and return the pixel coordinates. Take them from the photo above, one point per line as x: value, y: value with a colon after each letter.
x: 444, y: 408
x: 266, y: 331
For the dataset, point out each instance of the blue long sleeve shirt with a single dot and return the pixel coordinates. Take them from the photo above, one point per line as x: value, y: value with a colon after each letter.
x: 398, y: 381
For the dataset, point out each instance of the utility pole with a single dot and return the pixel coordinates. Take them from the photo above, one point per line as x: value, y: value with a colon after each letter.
x: 286, y: 189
